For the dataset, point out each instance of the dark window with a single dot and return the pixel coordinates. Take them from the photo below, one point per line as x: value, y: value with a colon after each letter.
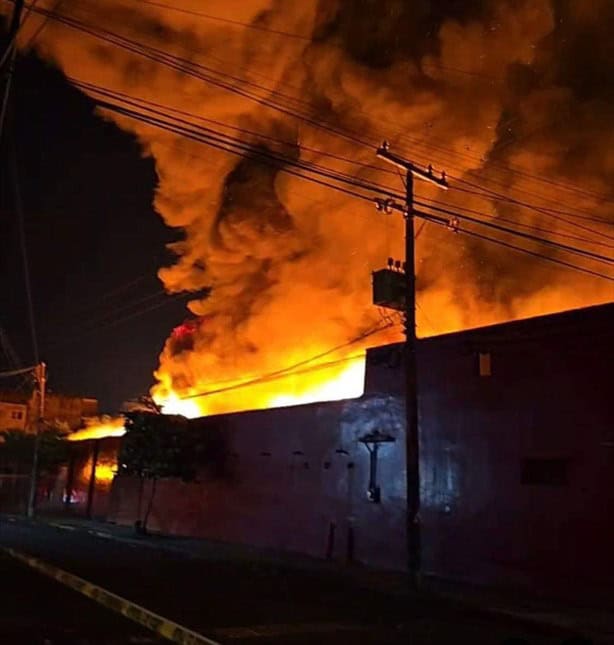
x: 545, y: 472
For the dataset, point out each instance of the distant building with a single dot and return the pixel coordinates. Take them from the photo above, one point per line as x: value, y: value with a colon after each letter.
x: 13, y: 416
x: 69, y: 411
x: 19, y: 410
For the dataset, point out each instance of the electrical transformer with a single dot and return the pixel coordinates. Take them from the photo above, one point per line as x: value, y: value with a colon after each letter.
x: 389, y: 289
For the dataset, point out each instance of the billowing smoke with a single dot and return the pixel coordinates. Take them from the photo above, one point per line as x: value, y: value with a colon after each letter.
x: 500, y: 94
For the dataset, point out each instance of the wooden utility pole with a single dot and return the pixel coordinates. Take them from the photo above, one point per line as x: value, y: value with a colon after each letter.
x: 7, y: 59
x: 412, y: 430
x: 41, y: 380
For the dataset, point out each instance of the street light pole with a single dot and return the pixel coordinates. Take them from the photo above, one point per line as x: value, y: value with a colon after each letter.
x: 412, y: 431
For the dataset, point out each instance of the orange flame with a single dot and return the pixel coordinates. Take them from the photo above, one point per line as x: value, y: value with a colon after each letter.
x: 343, y: 379
x: 99, y: 428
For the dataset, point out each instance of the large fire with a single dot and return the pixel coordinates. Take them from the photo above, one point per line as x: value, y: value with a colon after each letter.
x: 285, y: 264
x: 342, y: 379
x: 98, y: 428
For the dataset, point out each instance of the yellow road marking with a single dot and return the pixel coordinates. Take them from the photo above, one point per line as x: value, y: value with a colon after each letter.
x: 152, y: 621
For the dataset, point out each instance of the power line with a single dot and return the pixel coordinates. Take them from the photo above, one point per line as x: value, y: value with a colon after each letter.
x: 23, y: 370
x: 91, y: 87
x: 265, y: 378
x: 527, y: 236
x: 514, y: 222
x: 42, y: 26
x: 362, y: 196
x: 287, y: 165
x: 292, y: 370
x: 246, y: 147
x: 168, y: 59
x: 302, y: 37
x: 159, y: 109
x: 104, y: 316
x: 143, y: 50
x: 443, y: 222
x: 24, y: 249
x: 189, y: 67
x: 111, y: 293
x: 118, y: 321
x: 229, y: 21
x: 488, y: 193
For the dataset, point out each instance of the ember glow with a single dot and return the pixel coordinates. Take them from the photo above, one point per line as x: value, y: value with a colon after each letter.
x: 285, y: 264
x: 99, y: 428
x: 105, y: 472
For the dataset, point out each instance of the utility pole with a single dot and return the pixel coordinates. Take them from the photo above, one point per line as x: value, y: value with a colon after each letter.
x: 7, y: 59
x: 41, y: 380
x: 412, y: 430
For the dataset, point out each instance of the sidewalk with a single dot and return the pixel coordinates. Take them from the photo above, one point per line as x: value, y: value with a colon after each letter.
x: 596, y: 623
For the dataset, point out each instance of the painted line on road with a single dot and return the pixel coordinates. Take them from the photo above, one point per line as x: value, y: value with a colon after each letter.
x: 101, y: 534
x: 64, y: 527
x: 152, y: 621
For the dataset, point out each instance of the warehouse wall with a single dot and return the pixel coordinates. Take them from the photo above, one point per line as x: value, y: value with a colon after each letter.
x: 517, y: 463
x: 297, y: 479
x: 518, y: 466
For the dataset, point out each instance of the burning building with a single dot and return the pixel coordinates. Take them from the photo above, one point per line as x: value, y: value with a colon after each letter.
x: 262, y: 119
x: 517, y: 463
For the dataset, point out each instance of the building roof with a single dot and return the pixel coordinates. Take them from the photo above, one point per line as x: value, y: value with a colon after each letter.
x: 599, y: 319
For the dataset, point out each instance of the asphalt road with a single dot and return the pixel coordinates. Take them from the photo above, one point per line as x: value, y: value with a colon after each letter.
x: 228, y: 601
x: 36, y: 609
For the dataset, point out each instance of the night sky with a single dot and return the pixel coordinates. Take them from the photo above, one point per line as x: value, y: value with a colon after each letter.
x: 91, y: 230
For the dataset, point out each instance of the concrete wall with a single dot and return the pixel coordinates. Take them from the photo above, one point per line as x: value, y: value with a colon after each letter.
x: 296, y: 480
x: 518, y: 467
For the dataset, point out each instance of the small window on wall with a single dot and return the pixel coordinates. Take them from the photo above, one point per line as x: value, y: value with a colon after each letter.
x: 484, y: 364
x: 545, y: 472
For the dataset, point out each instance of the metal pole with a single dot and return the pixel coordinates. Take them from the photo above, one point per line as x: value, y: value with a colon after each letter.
x: 41, y: 377
x: 412, y: 440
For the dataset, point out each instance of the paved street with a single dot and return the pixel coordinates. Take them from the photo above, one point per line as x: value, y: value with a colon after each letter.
x: 38, y: 610
x: 230, y: 602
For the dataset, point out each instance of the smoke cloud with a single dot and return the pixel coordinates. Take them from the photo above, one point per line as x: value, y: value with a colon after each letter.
x: 500, y: 94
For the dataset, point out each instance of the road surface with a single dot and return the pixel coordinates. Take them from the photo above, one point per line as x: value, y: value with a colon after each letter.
x: 230, y: 602
x: 37, y: 610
